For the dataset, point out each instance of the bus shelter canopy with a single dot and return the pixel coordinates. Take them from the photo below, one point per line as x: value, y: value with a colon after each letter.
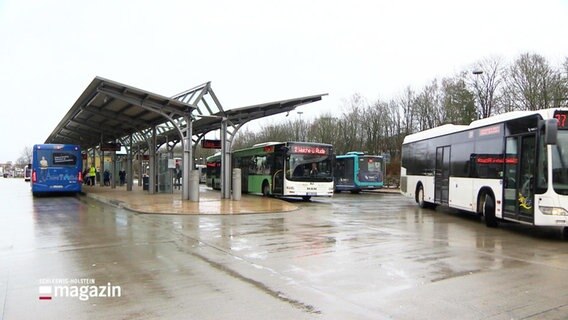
x: 109, y: 111
x: 236, y: 117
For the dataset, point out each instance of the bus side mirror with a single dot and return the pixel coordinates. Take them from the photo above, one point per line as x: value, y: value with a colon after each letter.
x: 551, y: 131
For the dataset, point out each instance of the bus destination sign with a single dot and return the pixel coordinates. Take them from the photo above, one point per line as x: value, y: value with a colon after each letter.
x: 309, y: 150
x: 561, y: 116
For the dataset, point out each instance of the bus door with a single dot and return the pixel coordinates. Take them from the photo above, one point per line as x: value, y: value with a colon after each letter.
x: 518, y: 178
x: 442, y: 175
x: 278, y: 173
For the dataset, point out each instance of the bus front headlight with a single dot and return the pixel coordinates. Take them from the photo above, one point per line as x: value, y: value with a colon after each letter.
x: 554, y: 211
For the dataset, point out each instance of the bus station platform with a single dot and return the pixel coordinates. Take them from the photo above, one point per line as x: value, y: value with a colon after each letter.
x: 210, y: 202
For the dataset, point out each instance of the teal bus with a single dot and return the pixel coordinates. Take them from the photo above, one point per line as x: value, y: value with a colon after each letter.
x: 283, y: 169
x: 56, y: 168
x: 357, y: 171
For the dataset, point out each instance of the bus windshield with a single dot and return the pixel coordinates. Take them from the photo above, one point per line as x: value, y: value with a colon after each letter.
x: 308, y: 167
x: 560, y: 163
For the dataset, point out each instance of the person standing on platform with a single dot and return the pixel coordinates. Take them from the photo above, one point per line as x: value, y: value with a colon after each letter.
x: 122, y: 176
x: 92, y: 174
x: 177, y: 175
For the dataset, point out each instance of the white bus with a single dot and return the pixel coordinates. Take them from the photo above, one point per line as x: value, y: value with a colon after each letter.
x: 513, y: 166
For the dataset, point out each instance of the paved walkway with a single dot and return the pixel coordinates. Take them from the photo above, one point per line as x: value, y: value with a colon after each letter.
x: 210, y: 202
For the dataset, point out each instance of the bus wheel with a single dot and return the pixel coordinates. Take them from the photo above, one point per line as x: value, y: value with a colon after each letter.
x: 564, y: 233
x: 420, y: 197
x: 265, y: 188
x: 489, y: 212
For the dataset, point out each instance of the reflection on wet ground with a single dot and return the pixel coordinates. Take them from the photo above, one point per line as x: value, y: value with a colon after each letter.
x: 366, y: 256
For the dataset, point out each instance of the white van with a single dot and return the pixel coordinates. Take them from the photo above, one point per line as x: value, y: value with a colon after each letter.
x: 28, y: 172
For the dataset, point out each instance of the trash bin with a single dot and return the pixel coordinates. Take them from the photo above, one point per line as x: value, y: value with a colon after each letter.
x: 194, y: 185
x: 145, y: 183
x: 237, y: 184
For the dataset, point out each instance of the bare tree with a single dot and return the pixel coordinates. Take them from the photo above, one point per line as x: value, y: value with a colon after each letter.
x: 396, y: 129
x: 532, y: 84
x: 561, y: 97
x: 324, y: 129
x: 244, y: 138
x: 25, y: 156
x: 486, y: 81
x: 406, y: 104
x: 428, y: 106
x: 350, y: 125
x: 375, y: 123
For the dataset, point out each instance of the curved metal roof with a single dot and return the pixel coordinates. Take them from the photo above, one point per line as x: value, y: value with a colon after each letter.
x: 110, y: 111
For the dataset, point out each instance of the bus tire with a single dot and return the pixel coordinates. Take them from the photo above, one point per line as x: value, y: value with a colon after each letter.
x: 265, y: 188
x: 420, y: 197
x: 489, y: 211
x: 564, y: 233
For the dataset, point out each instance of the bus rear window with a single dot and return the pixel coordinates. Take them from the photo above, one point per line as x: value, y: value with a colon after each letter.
x: 64, y: 159
x: 51, y: 158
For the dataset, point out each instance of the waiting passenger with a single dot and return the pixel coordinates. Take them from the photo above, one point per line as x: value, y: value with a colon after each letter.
x: 106, y: 178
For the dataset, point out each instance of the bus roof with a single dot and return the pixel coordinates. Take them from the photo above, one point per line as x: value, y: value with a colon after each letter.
x: 434, y: 132
x: 353, y: 154
x: 451, y: 128
x: 264, y: 144
x: 56, y: 146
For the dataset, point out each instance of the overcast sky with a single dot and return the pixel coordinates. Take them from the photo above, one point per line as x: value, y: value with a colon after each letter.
x: 252, y: 51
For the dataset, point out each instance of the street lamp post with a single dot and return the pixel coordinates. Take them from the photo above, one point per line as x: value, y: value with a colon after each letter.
x: 477, y: 73
x: 300, y: 135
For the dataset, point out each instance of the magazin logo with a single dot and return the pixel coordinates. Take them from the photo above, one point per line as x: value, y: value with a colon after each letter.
x: 83, y: 289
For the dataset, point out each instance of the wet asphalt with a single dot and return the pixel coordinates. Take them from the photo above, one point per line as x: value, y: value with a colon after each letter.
x: 365, y: 256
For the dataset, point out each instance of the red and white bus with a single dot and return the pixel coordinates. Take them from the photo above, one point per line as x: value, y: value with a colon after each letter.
x: 513, y: 166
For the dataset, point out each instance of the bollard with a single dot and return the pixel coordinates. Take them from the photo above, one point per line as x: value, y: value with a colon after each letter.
x: 194, y: 185
x: 237, y: 184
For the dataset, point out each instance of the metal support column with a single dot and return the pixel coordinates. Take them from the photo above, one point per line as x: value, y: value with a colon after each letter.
x: 225, y: 162
x: 187, y: 156
x: 101, y: 168
x: 141, y: 169
x: 152, y: 153
x: 113, y: 172
x: 129, y: 171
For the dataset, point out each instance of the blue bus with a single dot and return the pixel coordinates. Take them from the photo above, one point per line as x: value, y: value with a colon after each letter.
x: 357, y: 171
x: 56, y: 168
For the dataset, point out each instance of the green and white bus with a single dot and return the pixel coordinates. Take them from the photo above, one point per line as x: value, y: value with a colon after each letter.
x: 283, y: 169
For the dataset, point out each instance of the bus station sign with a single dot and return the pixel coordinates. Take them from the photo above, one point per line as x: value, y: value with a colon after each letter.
x: 210, y: 144
x: 111, y: 146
